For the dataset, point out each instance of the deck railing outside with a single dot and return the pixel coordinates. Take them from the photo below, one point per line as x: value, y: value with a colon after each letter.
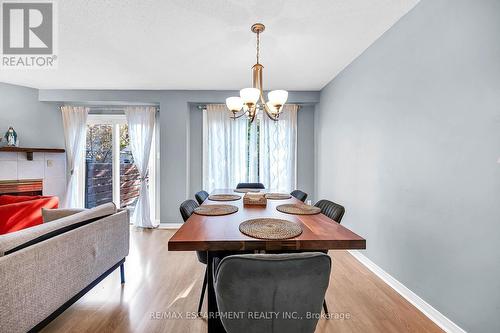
x: 99, y: 184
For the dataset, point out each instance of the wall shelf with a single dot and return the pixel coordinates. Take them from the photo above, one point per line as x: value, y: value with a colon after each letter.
x: 29, y: 151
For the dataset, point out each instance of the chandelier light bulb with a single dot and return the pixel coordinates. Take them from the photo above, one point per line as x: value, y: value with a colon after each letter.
x: 274, y: 110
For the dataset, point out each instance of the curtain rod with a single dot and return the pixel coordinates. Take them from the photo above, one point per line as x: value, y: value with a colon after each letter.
x: 204, y: 106
x: 114, y: 108
x: 118, y: 107
x: 109, y: 106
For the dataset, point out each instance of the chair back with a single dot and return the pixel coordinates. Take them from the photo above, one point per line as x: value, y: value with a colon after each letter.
x: 331, y: 209
x: 201, y: 196
x: 289, y: 284
x: 302, y: 196
x: 187, y: 208
x: 250, y: 185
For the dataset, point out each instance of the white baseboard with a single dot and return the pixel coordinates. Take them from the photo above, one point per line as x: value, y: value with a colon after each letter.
x: 169, y: 225
x: 437, y: 317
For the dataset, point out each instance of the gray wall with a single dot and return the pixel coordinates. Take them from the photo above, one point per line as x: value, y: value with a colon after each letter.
x: 175, y: 114
x: 195, y: 149
x: 409, y: 138
x: 305, y: 149
x: 37, y: 124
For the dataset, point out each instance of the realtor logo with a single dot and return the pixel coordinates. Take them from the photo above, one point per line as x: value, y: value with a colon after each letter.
x: 28, y: 35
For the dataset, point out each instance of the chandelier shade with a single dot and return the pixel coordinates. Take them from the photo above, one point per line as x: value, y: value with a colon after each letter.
x: 234, y: 104
x: 250, y: 96
x: 277, y: 98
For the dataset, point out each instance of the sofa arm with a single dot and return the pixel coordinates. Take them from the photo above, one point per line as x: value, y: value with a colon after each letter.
x: 38, y: 279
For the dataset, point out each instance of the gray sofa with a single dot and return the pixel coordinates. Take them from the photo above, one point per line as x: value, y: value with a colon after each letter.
x: 46, y: 268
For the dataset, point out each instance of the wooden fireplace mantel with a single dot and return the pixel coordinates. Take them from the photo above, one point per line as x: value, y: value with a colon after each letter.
x: 29, y: 151
x: 21, y: 187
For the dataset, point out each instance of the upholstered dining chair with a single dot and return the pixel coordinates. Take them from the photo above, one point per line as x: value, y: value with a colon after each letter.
x: 302, y: 196
x: 187, y: 209
x: 331, y: 209
x: 201, y: 196
x: 288, y: 283
x: 251, y: 185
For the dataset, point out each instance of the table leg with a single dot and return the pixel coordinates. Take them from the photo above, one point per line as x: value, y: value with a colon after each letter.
x: 214, y: 323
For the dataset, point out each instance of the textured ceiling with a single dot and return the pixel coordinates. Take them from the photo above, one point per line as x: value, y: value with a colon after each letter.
x: 199, y: 44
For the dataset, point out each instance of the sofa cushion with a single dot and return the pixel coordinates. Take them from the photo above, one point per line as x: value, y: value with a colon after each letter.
x: 21, y: 215
x: 19, y: 239
x: 56, y: 214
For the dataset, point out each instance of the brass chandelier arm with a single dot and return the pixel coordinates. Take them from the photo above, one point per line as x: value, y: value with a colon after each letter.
x: 268, y: 112
x: 234, y: 116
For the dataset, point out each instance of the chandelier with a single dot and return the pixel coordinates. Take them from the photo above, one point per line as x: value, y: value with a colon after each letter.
x: 251, y: 100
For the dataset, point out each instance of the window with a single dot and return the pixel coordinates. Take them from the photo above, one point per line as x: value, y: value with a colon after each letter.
x: 110, y: 174
x: 237, y: 151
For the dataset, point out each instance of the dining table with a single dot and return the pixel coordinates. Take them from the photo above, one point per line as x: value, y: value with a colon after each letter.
x: 214, y: 234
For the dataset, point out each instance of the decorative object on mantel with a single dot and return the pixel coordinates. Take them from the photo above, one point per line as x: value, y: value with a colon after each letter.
x: 298, y: 209
x: 11, y: 137
x: 251, y: 100
x: 269, y: 228
x: 224, y: 197
x: 29, y: 151
x: 255, y: 199
x: 215, y: 210
x: 278, y: 196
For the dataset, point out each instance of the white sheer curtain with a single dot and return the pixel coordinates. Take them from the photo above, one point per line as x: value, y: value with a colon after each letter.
x: 141, y: 124
x: 253, y: 152
x: 224, y: 148
x: 278, y: 150
x: 75, y: 126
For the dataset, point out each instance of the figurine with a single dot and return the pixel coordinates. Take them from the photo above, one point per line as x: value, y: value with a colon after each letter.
x: 11, y: 137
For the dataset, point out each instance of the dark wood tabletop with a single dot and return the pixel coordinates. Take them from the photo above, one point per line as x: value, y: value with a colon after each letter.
x: 217, y: 233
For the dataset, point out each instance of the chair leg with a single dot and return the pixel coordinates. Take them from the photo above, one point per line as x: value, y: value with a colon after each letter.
x: 203, y: 291
x: 325, y: 308
x: 122, y: 273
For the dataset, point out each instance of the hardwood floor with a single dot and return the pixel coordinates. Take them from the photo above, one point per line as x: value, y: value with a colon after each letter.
x: 159, y: 282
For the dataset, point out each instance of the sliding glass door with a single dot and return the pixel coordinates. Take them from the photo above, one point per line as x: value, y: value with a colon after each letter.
x: 110, y: 173
x: 98, y: 165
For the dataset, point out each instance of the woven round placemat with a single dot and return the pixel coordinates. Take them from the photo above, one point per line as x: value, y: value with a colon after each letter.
x: 245, y: 190
x: 268, y: 228
x: 277, y: 196
x: 215, y: 210
x: 224, y: 197
x: 298, y: 209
